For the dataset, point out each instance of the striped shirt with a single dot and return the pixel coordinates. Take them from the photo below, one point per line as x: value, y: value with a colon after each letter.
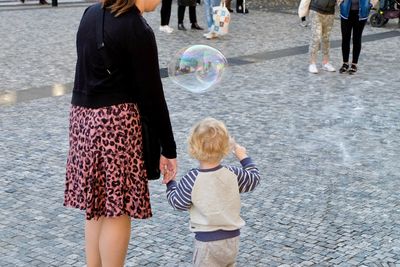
x: 212, y: 197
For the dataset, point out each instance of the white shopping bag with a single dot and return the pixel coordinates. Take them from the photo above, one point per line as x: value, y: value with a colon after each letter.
x: 222, y: 18
x: 304, y: 8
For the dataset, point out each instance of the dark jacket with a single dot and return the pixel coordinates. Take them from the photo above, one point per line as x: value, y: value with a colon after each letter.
x: 186, y: 2
x: 323, y: 6
x: 135, y: 75
x: 365, y: 8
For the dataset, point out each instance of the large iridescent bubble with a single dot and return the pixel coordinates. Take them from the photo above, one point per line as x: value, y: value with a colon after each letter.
x: 197, y: 68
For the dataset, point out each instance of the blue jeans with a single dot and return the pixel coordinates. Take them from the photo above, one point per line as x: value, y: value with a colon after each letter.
x: 208, y: 5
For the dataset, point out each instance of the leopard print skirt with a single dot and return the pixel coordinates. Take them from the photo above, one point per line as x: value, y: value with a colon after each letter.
x: 105, y: 174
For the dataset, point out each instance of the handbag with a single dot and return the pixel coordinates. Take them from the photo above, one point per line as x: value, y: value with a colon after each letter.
x: 150, y: 139
x: 151, y: 149
x: 222, y: 18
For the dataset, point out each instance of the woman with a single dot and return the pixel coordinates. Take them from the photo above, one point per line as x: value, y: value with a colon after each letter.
x: 322, y: 13
x: 182, y: 4
x: 117, y: 72
x: 353, y: 17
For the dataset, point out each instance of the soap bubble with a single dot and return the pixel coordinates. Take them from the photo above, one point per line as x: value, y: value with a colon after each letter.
x: 197, y: 68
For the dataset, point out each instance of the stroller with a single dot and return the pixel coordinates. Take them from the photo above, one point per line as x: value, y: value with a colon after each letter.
x: 388, y: 9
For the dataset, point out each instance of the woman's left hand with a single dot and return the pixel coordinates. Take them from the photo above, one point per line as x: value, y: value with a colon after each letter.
x: 168, y: 169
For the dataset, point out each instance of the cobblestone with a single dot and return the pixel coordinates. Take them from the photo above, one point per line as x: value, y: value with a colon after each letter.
x: 328, y: 145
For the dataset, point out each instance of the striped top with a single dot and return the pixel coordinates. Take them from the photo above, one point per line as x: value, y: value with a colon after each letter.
x: 212, y: 197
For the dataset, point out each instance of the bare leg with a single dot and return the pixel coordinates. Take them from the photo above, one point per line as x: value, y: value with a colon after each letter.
x: 114, y: 240
x: 107, y: 241
x: 92, y: 235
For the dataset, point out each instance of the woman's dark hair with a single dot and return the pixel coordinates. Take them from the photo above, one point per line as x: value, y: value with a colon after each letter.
x: 119, y: 7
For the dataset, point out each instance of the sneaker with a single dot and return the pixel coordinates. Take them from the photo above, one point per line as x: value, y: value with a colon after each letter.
x: 205, y: 34
x: 166, y: 29
x: 313, y: 68
x: 328, y: 67
x: 210, y: 35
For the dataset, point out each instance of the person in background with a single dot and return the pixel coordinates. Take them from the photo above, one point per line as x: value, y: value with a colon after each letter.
x: 353, y: 17
x: 117, y: 79
x: 322, y: 14
x: 211, y: 193
x: 165, y: 16
x: 208, y: 7
x: 182, y: 4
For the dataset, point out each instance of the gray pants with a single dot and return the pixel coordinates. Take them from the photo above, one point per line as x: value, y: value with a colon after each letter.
x: 221, y: 253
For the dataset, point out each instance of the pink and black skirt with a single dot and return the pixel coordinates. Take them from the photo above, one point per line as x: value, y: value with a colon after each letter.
x: 105, y: 174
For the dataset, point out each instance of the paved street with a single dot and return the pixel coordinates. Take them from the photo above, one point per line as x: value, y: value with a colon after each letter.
x: 327, y: 145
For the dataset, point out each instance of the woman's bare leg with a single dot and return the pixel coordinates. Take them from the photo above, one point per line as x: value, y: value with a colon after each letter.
x: 114, y: 240
x: 92, y: 236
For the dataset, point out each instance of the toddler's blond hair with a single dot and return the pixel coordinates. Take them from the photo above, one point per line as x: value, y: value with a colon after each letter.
x: 209, y: 140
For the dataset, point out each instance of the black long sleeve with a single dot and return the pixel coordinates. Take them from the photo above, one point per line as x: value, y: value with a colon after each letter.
x: 135, y: 76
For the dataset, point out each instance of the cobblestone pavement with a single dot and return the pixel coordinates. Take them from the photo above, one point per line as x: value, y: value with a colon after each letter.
x: 327, y: 145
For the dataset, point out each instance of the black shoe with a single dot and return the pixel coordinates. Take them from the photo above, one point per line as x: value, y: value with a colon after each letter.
x: 181, y: 27
x: 344, y: 68
x: 353, y: 69
x: 230, y: 10
x: 22, y: 1
x: 196, y: 26
x: 43, y: 2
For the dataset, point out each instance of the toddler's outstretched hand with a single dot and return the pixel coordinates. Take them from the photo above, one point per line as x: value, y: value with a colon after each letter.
x: 238, y: 150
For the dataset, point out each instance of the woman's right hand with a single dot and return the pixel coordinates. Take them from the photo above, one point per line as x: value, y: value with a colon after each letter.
x: 168, y: 168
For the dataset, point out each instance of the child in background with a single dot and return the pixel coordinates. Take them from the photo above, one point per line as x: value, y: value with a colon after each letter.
x: 211, y: 193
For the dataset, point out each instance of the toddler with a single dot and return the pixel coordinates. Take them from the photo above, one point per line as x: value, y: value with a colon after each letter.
x: 211, y: 193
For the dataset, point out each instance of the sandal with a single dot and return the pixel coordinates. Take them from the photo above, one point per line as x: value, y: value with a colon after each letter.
x: 344, y: 68
x: 353, y: 69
